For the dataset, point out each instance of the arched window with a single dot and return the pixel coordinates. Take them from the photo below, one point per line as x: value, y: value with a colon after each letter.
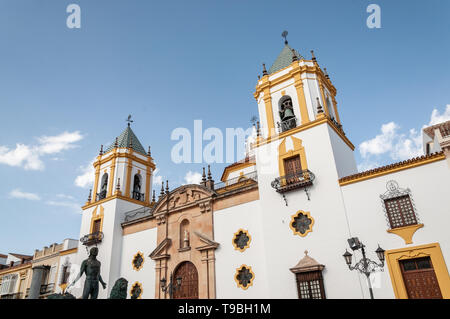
x: 137, y: 188
x: 103, y: 187
x: 286, y: 112
x: 184, y: 235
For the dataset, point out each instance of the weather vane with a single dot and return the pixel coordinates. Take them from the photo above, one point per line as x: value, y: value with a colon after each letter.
x: 129, y: 120
x: 284, y: 35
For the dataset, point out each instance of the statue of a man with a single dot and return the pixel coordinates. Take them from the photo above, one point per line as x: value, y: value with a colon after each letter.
x: 91, y: 267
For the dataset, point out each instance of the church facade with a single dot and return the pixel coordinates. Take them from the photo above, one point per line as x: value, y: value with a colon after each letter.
x: 277, y: 223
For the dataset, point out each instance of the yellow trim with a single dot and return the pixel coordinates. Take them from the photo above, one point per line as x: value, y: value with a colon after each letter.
x: 301, y: 128
x: 338, y: 119
x: 400, y: 167
x: 134, y: 257
x: 148, y: 175
x: 97, y: 174
x: 301, y: 98
x: 116, y: 196
x: 251, y: 280
x: 236, y: 247
x: 283, y: 154
x: 269, y: 112
x: 235, y: 168
x: 136, y: 159
x: 433, y: 251
x: 68, y: 251
x: 112, y: 173
x: 128, y: 183
x: 293, y: 219
x: 96, y: 217
x: 140, y: 286
x: 406, y: 232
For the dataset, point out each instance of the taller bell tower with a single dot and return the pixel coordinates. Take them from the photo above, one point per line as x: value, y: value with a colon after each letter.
x: 122, y: 183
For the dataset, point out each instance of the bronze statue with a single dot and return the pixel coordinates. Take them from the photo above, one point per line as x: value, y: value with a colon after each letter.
x: 119, y: 291
x: 91, y: 267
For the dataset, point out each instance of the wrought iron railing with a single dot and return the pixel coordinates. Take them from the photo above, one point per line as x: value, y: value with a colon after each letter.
x: 243, y: 179
x: 92, y: 239
x: 101, y: 195
x: 17, y: 295
x: 287, y: 124
x: 293, y: 181
x: 47, y: 288
x: 138, y: 213
x: 138, y: 196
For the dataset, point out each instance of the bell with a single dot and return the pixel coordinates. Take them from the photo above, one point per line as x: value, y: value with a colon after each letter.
x: 288, y: 113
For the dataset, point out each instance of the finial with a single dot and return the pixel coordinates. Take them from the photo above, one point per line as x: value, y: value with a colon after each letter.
x: 116, y: 143
x: 258, y: 131
x: 259, y: 77
x: 101, y: 150
x: 90, y: 195
x: 154, y: 197
x: 162, y: 189
x: 284, y: 35
x: 294, y: 56
x: 306, y: 253
x: 209, y: 173
x: 118, y: 184
x: 203, y: 176
x: 167, y: 187
x: 326, y: 73
x: 264, y: 70
x: 319, y: 107
x: 313, y: 56
x: 129, y: 120
x: 149, y: 153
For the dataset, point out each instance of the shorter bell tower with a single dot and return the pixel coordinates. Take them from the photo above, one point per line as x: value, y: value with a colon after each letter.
x: 122, y: 183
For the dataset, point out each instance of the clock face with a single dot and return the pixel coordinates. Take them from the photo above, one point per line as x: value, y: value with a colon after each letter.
x: 392, y: 186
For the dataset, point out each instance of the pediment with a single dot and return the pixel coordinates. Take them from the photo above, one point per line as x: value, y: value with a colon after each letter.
x: 157, y: 253
x: 183, y: 196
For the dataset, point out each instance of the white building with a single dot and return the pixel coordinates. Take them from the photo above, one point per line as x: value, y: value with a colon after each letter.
x: 277, y: 224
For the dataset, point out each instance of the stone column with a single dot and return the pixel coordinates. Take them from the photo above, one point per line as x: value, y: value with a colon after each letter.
x: 36, y: 282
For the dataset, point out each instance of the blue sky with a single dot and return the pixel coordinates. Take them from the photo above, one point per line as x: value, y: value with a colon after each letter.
x: 64, y: 92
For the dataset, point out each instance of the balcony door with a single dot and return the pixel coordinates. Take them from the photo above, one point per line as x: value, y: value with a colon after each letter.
x: 292, y: 169
x: 420, y: 279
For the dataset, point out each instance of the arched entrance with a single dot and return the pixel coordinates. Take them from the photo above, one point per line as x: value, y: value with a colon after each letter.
x: 189, y: 281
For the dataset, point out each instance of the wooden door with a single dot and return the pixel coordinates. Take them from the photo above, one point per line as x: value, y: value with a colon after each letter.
x: 189, y: 281
x: 420, y: 279
x: 292, y: 169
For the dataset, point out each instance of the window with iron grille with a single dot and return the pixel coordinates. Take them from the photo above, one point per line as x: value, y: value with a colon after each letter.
x: 400, y: 211
x: 310, y: 285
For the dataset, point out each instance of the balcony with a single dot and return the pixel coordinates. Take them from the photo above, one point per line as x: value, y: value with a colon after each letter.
x: 17, y: 295
x: 138, y: 196
x: 92, y: 239
x: 292, y: 181
x: 287, y: 124
x: 101, y: 195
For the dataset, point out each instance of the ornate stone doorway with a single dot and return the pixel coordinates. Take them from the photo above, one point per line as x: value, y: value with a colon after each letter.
x: 189, y: 282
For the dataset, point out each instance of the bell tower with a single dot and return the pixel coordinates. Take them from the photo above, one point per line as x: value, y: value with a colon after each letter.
x: 122, y: 183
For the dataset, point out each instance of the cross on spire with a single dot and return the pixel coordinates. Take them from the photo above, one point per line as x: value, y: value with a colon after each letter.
x: 129, y: 120
x: 284, y: 35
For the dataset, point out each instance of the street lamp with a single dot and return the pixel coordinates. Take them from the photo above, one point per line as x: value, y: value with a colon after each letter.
x: 170, y: 287
x: 365, y: 265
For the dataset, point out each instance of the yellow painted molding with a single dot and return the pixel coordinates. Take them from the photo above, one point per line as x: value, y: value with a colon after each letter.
x: 112, y: 173
x: 389, y: 170
x: 251, y: 280
x: 116, y: 196
x: 284, y: 154
x: 128, y: 182
x: 68, y: 251
x: 148, y: 162
x: 234, y: 168
x: 148, y: 175
x: 236, y: 247
x: 393, y: 258
x: 96, y: 217
x: 97, y: 174
x: 310, y: 226
x: 406, y: 232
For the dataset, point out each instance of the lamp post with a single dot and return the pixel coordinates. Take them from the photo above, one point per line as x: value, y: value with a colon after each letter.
x: 365, y: 265
x: 171, y: 288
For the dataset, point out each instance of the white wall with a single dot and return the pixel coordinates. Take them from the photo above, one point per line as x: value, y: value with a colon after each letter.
x: 144, y: 242
x: 227, y: 222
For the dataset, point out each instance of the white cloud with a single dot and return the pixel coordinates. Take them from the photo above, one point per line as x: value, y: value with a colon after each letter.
x: 66, y: 204
x: 86, y: 179
x: 157, y: 179
x: 396, y: 145
x: 193, y: 177
x: 29, y: 156
x: 17, y: 193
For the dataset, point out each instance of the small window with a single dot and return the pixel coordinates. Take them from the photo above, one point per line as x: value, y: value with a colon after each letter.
x: 96, y: 226
x: 241, y: 240
x: 310, y: 285
x: 136, y: 291
x: 138, y: 261
x: 301, y: 223
x: 103, y: 187
x: 400, y: 211
x: 244, y: 277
